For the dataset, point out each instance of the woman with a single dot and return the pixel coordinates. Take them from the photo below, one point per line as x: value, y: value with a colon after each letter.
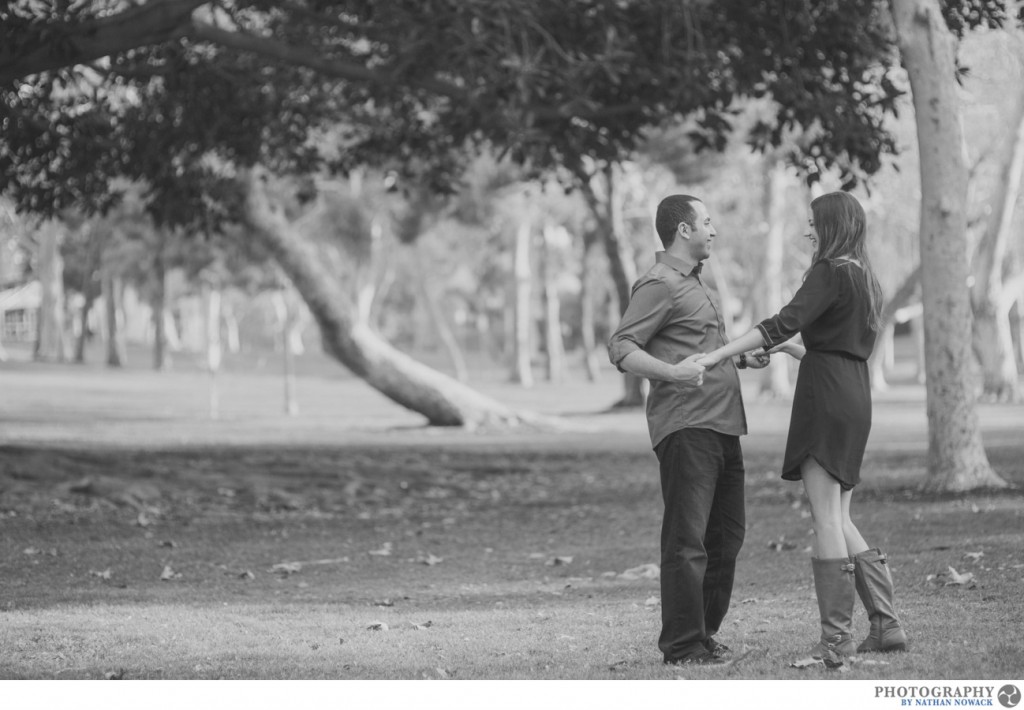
x: 836, y: 310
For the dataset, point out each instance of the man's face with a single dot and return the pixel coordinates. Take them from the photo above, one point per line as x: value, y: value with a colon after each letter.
x: 700, y: 234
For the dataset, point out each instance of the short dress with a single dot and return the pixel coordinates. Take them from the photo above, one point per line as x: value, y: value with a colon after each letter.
x: 831, y: 416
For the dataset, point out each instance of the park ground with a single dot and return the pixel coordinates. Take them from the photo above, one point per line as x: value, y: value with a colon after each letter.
x: 140, y: 539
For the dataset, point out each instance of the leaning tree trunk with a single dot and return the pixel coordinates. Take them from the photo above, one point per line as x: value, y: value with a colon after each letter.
x: 443, y: 400
x: 51, y: 343
x: 991, y: 303
x: 956, y: 457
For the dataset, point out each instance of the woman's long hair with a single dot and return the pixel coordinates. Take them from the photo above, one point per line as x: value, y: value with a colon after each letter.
x: 842, y: 227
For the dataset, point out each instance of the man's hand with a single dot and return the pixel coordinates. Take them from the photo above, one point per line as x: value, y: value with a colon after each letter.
x: 758, y: 359
x: 689, y: 371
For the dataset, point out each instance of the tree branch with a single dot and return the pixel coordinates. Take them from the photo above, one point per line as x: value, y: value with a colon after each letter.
x: 150, y: 23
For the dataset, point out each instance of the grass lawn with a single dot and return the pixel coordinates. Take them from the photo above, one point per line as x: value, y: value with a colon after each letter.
x: 139, y: 539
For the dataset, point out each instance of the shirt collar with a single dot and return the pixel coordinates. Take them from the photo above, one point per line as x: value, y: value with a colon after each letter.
x: 684, y: 265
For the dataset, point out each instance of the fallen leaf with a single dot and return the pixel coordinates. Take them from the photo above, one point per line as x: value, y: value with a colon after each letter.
x: 430, y: 560
x: 652, y: 601
x: 781, y: 544
x: 618, y: 666
x: 168, y: 543
x: 247, y: 575
x: 286, y: 568
x: 974, y: 556
x: 384, y: 551
x: 143, y: 520
x: 648, y: 571
x: 445, y: 672
x: 957, y: 578
x: 557, y: 561
x: 169, y: 574
x: 808, y: 662
x: 384, y: 602
x: 424, y: 625
x: 377, y: 626
x: 105, y: 574
x: 31, y: 551
x: 114, y: 675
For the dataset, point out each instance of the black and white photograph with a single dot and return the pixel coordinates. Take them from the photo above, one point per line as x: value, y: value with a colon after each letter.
x: 560, y: 350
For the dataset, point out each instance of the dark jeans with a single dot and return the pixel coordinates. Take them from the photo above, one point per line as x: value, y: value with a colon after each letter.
x: 701, y: 535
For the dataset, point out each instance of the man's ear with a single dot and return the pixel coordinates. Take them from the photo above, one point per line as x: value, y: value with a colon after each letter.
x: 682, y: 231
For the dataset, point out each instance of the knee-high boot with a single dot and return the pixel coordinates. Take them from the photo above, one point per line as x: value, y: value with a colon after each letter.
x: 833, y: 583
x: 875, y: 588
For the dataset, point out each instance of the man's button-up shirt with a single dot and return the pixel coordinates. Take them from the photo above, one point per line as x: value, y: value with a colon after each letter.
x: 672, y: 315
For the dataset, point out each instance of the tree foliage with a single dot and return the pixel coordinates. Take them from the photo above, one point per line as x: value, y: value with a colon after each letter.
x: 179, y: 93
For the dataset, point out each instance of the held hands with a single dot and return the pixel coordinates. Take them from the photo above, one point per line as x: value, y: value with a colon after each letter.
x: 689, y: 371
x: 757, y: 359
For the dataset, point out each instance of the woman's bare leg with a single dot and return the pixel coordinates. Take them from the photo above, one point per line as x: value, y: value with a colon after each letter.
x: 855, y: 544
x: 823, y: 492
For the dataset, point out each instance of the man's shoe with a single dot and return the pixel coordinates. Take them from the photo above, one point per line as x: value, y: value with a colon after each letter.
x: 701, y: 658
x: 716, y: 649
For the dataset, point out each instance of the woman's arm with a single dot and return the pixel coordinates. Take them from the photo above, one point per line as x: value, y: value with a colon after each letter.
x: 748, y: 341
x: 791, y: 348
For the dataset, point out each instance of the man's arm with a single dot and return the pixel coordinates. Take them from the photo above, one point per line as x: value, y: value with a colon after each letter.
x: 642, y: 364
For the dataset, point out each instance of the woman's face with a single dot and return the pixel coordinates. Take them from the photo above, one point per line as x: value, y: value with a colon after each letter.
x: 812, y: 234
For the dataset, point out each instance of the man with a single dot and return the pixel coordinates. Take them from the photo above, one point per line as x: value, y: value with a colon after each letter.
x: 695, y: 419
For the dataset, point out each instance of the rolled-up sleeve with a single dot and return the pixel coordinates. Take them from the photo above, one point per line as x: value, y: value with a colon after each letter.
x: 647, y: 312
x: 818, y: 291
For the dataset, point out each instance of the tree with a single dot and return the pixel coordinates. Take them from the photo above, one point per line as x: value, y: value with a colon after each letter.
x: 414, y: 85
x: 956, y: 457
x: 443, y: 400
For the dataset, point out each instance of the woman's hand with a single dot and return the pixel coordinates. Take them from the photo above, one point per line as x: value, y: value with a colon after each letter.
x: 791, y: 348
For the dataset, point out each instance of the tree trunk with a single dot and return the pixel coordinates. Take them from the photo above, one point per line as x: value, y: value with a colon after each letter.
x: 286, y: 322
x: 993, y: 341
x: 879, y: 357
x: 605, y: 205
x: 83, y: 334
x: 588, y: 308
x: 441, y: 399
x: 956, y: 457
x: 212, y: 343
x: 51, y: 345
x: 522, y: 370
x: 159, y: 306
x: 113, y: 293
x: 553, y: 343
x: 774, y: 379
x: 442, y: 329
x: 231, y: 332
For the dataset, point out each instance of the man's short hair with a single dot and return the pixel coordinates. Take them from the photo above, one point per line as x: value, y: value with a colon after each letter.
x: 671, y: 211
